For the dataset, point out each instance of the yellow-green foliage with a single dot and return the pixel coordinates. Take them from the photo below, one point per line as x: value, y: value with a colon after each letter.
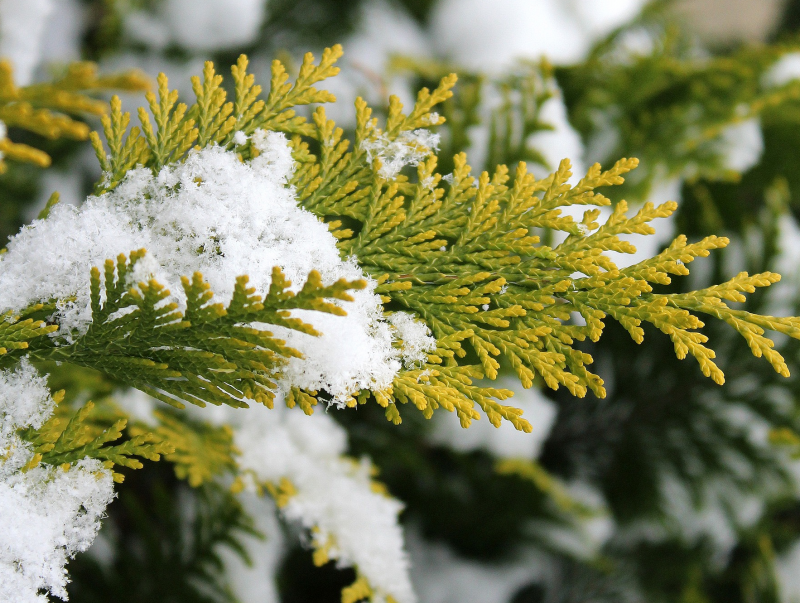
x: 49, y: 109
x: 463, y: 253
x: 671, y: 104
x: 69, y: 436
x: 199, y: 452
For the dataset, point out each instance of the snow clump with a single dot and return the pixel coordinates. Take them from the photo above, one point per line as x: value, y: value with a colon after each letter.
x: 46, y: 514
x: 334, y: 496
x: 224, y: 218
x: 198, y: 25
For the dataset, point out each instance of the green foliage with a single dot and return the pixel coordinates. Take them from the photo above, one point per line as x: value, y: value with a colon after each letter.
x: 69, y: 436
x: 199, y: 452
x: 16, y: 332
x: 670, y: 106
x: 463, y: 256
x: 202, y: 355
x: 159, y: 555
x: 47, y: 108
x: 212, y: 119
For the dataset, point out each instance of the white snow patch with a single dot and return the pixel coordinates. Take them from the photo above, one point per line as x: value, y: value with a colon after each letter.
x: 256, y: 582
x: 415, y: 335
x: 490, y: 36
x: 223, y: 218
x: 46, y: 514
x: 562, y: 142
x: 334, y: 494
x: 785, y: 70
x: 22, y: 23
x: 198, y: 25
x: 741, y: 145
x: 409, y: 148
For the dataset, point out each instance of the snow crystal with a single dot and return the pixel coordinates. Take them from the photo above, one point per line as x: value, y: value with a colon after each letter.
x: 46, y: 514
x: 334, y: 495
x: 274, y: 161
x: 409, y: 148
x: 24, y: 397
x: 199, y: 25
x: 224, y: 218
x: 240, y: 138
x: 22, y: 23
x: 415, y: 335
x: 504, y: 441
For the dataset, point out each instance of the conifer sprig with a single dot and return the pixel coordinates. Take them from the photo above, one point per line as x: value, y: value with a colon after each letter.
x: 462, y: 253
x: 208, y: 353
x: 48, y: 109
x: 69, y: 436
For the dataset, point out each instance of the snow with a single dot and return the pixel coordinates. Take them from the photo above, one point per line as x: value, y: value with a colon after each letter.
x: 562, y: 142
x: 198, y: 25
x: 415, y: 335
x: 785, y: 70
x: 334, y: 495
x: 442, y: 576
x: 409, y: 148
x: 491, y: 36
x: 24, y: 398
x: 503, y: 441
x: 47, y: 514
x: 62, y: 38
x: 22, y: 24
x: 256, y: 582
x: 224, y: 218
x: 787, y: 575
x: 741, y: 145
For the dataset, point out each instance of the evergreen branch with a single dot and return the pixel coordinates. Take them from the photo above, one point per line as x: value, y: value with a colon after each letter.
x: 208, y: 353
x: 68, y: 437
x: 48, y: 108
x: 200, y: 452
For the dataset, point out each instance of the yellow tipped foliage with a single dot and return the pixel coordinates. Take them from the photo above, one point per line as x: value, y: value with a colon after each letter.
x: 50, y: 109
x: 472, y: 257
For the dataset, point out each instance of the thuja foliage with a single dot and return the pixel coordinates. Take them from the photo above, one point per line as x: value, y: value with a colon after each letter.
x: 460, y: 253
x: 51, y: 109
x: 463, y: 254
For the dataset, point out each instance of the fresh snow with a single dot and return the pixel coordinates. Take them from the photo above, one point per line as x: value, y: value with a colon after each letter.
x: 491, y: 36
x: 334, y: 495
x: 47, y: 514
x: 224, y: 218
x: 409, y: 148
